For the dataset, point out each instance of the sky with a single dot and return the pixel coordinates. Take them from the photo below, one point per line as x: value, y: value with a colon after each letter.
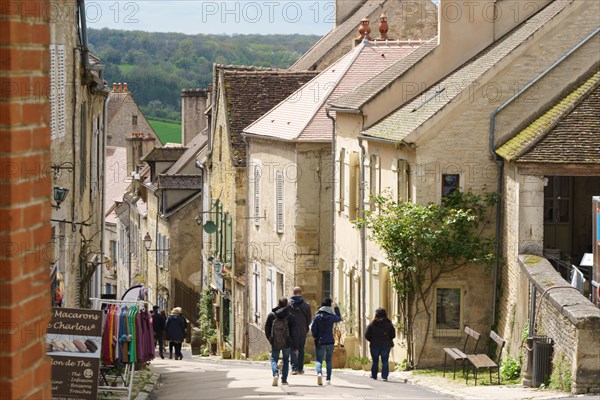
x: 214, y: 17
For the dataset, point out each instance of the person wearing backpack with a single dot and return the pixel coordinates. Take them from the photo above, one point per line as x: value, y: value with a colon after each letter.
x: 300, y: 309
x: 280, y: 330
x: 322, y: 331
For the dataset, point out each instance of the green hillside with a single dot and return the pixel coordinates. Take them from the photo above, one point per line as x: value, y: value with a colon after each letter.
x: 156, y: 66
x: 168, y: 132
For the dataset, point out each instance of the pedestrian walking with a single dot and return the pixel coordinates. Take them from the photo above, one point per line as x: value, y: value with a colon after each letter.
x: 158, y: 326
x: 322, y: 331
x: 175, y: 332
x: 300, y: 309
x: 380, y: 334
x: 280, y: 330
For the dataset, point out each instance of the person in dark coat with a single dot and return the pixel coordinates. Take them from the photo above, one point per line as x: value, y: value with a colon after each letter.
x: 158, y: 326
x: 281, y: 312
x: 322, y: 331
x: 175, y: 332
x: 380, y: 334
x: 300, y: 309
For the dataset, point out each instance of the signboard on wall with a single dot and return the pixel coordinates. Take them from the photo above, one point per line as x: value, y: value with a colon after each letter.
x: 73, y: 343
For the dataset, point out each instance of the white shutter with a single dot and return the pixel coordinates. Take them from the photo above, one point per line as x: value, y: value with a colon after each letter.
x: 269, y: 288
x: 256, y: 194
x: 167, y: 248
x: 403, y: 186
x: 53, y: 91
x: 279, y: 201
x: 342, y: 179
x: 256, y: 287
x: 61, y: 83
x: 159, y: 250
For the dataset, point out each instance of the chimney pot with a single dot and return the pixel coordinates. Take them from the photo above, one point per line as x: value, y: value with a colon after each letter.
x: 119, y: 87
x: 114, y: 86
x: 125, y: 86
x: 364, y: 30
x: 383, y: 26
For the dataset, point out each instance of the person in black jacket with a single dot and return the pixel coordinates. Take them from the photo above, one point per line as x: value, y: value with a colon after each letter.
x: 281, y: 312
x: 158, y: 326
x: 380, y: 334
x: 303, y: 316
x: 175, y: 332
x: 322, y: 331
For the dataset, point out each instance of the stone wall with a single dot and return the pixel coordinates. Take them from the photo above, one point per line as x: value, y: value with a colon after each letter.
x: 569, y: 319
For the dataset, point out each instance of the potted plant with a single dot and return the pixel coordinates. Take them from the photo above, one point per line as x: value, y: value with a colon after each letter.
x: 354, y: 363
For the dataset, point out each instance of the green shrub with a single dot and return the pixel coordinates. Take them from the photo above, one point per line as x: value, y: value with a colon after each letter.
x: 510, y: 368
x: 263, y: 357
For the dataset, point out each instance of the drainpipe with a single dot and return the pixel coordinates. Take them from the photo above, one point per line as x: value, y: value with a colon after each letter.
x: 332, y: 216
x: 363, y: 244
x: 101, y: 184
x: 500, y: 162
x: 246, y: 297
x: 84, y: 54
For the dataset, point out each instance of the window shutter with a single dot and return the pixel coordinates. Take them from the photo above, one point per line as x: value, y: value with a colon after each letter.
x: 403, y: 184
x: 53, y: 92
x: 342, y: 183
x: 354, y: 179
x: 167, y: 248
x: 214, y: 214
x: 159, y: 250
x: 228, y: 238
x: 279, y: 201
x: 256, y: 194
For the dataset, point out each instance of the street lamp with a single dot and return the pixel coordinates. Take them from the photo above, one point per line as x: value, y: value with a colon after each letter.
x: 147, y: 241
x: 59, y: 195
x: 147, y: 245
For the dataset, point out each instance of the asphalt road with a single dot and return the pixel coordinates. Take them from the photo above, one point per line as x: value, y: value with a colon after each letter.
x: 197, y: 378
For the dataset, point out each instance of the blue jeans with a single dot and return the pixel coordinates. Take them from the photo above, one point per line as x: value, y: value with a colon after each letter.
x: 298, y: 360
x: 286, y: 362
x: 324, y: 350
x: 384, y: 353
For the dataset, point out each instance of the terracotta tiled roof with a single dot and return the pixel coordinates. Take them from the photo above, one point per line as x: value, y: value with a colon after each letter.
x: 399, y: 124
x: 567, y: 133
x: 250, y: 94
x: 193, y: 182
x: 302, y: 116
x: 116, y: 179
x: 337, y: 34
x: 193, y: 147
x: 164, y: 154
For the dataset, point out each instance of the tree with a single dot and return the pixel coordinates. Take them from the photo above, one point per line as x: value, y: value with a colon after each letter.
x: 423, y: 242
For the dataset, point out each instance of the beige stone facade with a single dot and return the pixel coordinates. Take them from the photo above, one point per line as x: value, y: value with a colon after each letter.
x: 77, y: 151
x: 448, y: 133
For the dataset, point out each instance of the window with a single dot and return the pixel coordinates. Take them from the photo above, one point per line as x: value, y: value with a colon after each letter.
x: 167, y: 248
x: 448, y: 311
x: 271, y: 296
x: 557, y: 194
x: 279, y: 202
x: 228, y: 238
x: 113, y: 252
x: 256, y: 193
x: 256, y: 302
x: 450, y: 183
x: 159, y: 253
x: 83, y: 154
x: 134, y: 120
x: 342, y: 181
x: 402, y: 172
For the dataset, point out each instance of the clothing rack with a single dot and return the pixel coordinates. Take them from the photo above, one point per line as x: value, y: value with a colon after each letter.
x: 127, y: 374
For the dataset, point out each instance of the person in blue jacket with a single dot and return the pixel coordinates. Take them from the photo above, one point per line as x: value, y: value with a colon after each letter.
x: 322, y: 331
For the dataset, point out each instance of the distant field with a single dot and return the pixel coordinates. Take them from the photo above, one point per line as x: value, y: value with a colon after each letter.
x: 124, y: 68
x: 168, y: 132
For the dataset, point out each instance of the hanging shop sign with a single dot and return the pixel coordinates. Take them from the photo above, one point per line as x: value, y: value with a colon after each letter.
x: 73, y: 344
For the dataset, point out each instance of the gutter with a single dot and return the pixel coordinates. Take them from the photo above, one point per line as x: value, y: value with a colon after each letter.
x: 332, y: 216
x: 84, y: 54
x: 500, y: 161
x: 363, y: 249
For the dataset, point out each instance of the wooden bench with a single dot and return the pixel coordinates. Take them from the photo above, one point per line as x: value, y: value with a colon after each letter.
x: 460, y: 355
x: 484, y: 361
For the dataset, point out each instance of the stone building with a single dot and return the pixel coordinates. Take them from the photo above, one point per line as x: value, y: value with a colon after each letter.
x: 416, y: 137
x: 407, y: 20
x: 78, y: 96
x: 290, y: 184
x: 125, y: 120
x: 240, y: 95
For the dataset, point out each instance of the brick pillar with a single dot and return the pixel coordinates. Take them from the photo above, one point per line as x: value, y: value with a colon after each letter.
x: 24, y: 199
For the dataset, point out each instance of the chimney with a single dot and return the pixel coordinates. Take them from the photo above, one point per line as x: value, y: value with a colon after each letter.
x: 119, y: 87
x: 125, y: 86
x: 364, y: 30
x: 383, y: 26
x: 114, y: 86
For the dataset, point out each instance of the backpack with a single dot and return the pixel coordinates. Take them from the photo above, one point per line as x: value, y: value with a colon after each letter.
x: 279, y: 334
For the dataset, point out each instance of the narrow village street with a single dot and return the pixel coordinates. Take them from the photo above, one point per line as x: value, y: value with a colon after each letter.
x: 195, y: 378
